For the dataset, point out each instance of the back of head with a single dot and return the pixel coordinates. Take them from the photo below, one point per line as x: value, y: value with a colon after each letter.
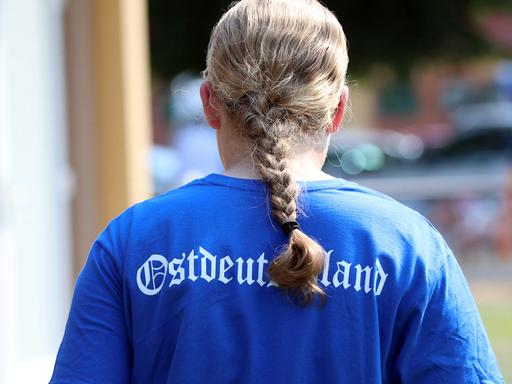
x: 278, y: 68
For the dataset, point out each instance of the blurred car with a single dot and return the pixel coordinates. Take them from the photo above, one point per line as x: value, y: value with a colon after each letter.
x: 473, y: 161
x: 457, y: 186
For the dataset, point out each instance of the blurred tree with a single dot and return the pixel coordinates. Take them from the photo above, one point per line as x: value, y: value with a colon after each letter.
x: 398, y: 33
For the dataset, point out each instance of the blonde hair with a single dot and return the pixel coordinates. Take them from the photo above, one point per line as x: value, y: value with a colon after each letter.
x: 278, y: 67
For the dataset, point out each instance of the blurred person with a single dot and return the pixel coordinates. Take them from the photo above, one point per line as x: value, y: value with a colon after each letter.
x: 504, y: 225
x: 503, y: 79
x: 191, y: 150
x: 193, y: 140
x: 273, y: 271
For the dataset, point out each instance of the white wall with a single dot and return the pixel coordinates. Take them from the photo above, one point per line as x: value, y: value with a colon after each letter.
x: 35, y: 188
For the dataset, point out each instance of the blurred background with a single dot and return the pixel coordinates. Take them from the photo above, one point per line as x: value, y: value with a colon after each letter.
x: 99, y: 109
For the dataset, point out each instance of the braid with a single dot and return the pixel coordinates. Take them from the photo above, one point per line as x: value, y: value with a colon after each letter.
x: 272, y: 166
x: 296, y: 269
x: 278, y: 68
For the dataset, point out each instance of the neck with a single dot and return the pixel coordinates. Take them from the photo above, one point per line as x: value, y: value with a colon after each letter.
x: 306, y: 163
x: 307, y: 167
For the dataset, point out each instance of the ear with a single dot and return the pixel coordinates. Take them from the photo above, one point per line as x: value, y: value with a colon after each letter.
x: 340, y: 111
x: 210, y: 105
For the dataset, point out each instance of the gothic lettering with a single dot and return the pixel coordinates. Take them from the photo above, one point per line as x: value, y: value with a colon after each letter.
x: 151, y: 275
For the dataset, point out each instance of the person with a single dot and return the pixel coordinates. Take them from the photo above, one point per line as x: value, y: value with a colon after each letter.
x: 503, y: 230
x: 273, y: 271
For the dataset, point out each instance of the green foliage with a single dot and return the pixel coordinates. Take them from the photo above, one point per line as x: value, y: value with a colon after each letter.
x: 398, y: 33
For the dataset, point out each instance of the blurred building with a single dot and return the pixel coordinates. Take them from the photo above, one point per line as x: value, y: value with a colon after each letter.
x: 74, y: 141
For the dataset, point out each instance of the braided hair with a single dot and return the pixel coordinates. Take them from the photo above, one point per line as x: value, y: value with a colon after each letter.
x: 278, y: 67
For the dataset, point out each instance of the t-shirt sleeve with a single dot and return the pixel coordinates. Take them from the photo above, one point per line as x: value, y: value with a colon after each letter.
x: 444, y: 338
x: 95, y: 347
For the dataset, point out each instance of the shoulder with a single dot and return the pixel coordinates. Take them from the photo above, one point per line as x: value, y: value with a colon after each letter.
x: 389, y: 230
x: 146, y: 218
x: 370, y: 209
x: 171, y: 202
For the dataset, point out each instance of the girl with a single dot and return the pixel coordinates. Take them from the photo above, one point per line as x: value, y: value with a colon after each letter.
x: 273, y: 272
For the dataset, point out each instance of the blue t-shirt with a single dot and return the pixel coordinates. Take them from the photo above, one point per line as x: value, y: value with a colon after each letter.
x: 175, y: 290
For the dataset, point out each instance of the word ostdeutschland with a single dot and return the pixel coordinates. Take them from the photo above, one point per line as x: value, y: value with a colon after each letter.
x: 157, y: 271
